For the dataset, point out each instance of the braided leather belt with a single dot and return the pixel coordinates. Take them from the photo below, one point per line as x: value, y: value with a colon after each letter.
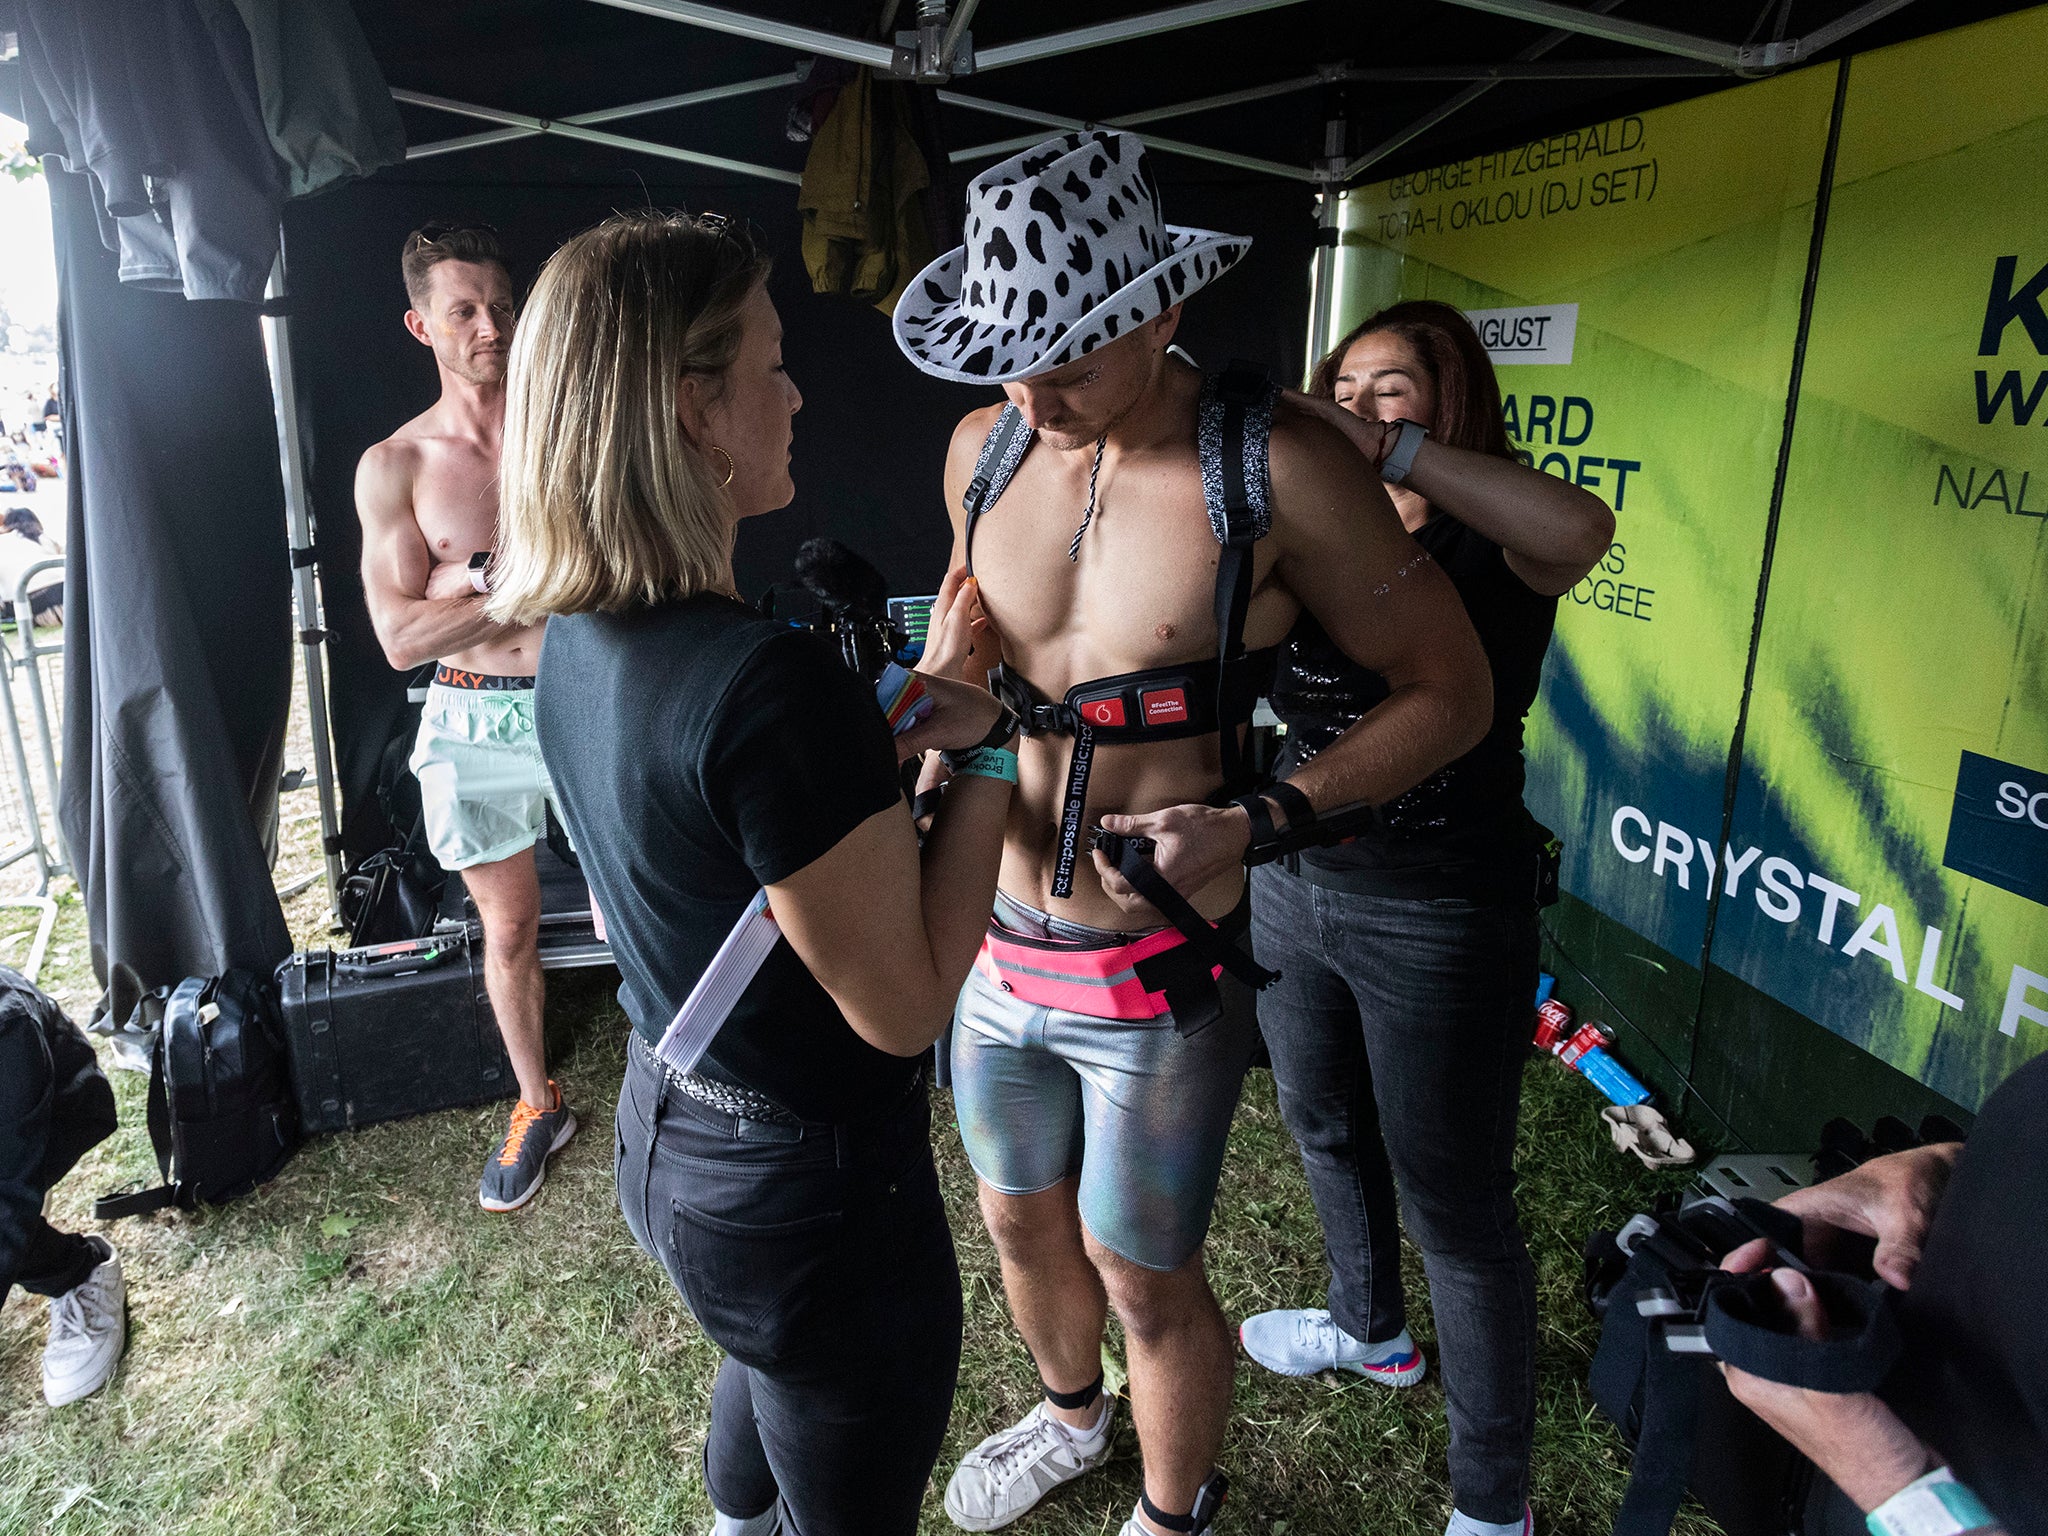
x: 726, y: 1098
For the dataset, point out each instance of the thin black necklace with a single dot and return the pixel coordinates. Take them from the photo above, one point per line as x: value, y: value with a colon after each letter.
x: 1087, y: 517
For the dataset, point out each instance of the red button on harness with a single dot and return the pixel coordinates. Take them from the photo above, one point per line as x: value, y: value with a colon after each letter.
x: 1102, y: 711
x: 1169, y: 706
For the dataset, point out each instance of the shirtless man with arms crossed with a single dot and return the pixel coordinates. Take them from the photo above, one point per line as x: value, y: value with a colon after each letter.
x: 428, y: 499
x: 1098, y: 1140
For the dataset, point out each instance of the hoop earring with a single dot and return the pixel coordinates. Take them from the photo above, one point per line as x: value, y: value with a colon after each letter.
x: 729, y: 465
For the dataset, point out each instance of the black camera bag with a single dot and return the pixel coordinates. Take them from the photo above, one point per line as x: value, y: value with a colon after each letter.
x: 221, y: 1115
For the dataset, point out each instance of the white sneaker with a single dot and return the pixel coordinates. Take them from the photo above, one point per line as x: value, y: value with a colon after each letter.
x: 1014, y: 1468
x: 1300, y: 1343
x: 767, y: 1523
x: 1464, y: 1525
x: 88, y: 1330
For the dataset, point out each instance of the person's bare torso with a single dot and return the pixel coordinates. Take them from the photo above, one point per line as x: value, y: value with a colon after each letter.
x: 1141, y: 595
x: 454, y: 481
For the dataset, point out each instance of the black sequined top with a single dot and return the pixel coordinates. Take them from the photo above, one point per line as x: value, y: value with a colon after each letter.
x: 1463, y: 830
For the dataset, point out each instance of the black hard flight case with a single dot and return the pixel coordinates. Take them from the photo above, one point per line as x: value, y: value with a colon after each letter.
x: 390, y: 1030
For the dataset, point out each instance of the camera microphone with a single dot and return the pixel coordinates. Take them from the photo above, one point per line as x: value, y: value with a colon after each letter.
x: 841, y: 579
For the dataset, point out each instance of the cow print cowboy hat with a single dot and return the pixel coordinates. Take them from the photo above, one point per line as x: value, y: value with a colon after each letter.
x: 1065, y: 249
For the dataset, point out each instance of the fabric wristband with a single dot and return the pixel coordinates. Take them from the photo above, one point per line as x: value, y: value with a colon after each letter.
x: 1401, y: 458
x: 1934, y: 1505
x: 1005, y: 727
x: 983, y: 763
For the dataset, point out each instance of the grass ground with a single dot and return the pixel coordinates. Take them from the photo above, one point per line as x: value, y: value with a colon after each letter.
x: 357, y: 1348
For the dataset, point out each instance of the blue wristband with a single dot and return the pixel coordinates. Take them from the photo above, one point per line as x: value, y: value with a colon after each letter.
x: 983, y: 763
x: 1934, y: 1505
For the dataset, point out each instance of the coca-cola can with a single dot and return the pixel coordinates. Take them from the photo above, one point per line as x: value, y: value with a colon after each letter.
x: 1589, y: 1037
x: 1553, y: 1024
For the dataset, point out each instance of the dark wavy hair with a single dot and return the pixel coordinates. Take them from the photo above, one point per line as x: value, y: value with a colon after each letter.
x: 1467, y: 393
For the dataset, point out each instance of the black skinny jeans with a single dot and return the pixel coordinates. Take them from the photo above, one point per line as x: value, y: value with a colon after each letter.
x: 1398, y: 1032
x: 818, y: 1258
x: 54, y: 1107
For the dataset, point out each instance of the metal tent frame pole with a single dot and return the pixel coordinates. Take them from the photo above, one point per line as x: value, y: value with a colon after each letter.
x: 1161, y: 145
x: 883, y: 57
x: 312, y: 634
x: 1124, y: 29
x: 569, y: 130
x: 1528, y: 56
x: 606, y: 114
x: 1746, y: 58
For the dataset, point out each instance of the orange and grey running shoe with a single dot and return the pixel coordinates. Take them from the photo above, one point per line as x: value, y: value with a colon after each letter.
x: 517, y: 1169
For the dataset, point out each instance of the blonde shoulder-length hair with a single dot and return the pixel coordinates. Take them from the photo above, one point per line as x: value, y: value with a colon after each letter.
x: 603, y: 502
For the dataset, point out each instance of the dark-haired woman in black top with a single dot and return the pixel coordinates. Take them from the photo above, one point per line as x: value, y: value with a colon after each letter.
x: 1408, y: 957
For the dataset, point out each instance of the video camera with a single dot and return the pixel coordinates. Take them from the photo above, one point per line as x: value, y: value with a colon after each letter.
x: 839, y: 594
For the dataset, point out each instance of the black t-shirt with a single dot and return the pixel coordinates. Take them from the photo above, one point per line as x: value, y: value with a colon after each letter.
x: 1462, y: 831
x: 701, y: 752
x: 1973, y: 1382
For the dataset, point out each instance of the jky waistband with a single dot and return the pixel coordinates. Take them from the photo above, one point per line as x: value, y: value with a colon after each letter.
x: 455, y: 677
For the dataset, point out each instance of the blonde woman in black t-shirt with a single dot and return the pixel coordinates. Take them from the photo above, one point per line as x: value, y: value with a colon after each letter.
x: 1408, y: 956
x: 703, y: 752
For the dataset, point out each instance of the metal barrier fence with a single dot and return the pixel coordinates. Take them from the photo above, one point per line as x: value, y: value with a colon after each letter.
x: 29, y: 841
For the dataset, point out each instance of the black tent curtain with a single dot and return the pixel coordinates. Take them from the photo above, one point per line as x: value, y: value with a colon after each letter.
x: 177, y: 677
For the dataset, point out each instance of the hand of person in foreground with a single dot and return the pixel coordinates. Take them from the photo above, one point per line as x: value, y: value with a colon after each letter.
x: 1851, y: 1436
x: 1196, y: 845
x: 1890, y: 1198
x: 964, y: 710
x: 960, y: 641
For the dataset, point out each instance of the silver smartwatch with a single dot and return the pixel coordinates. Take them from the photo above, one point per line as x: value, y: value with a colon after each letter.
x: 479, y: 571
x: 1402, y: 458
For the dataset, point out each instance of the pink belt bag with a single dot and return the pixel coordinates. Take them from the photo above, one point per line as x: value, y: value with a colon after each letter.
x: 1134, y: 982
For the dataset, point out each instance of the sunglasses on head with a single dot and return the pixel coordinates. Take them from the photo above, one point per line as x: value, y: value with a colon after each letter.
x: 436, y: 232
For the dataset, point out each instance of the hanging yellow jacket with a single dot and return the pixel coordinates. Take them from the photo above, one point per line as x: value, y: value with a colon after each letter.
x: 864, y: 230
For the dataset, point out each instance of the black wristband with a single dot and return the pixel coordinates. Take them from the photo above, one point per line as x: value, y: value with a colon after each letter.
x: 1300, y: 814
x: 1254, y: 806
x: 1004, y: 728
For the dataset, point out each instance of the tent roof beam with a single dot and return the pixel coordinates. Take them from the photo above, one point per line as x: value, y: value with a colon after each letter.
x: 1744, y: 58
x: 569, y: 130
x: 608, y: 114
x: 1152, y: 142
x: 1123, y: 29
x: 1528, y: 56
x: 893, y: 61
x: 760, y: 29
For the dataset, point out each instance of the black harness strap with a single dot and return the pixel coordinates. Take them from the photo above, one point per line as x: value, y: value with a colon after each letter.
x: 1001, y: 452
x: 1132, y: 857
x: 1236, y: 522
x: 1234, y: 419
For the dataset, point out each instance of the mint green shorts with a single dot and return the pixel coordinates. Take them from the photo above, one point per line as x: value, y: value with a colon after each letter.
x: 484, y: 790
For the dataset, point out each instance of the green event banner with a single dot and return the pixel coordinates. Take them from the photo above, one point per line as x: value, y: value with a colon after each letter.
x: 1639, y: 285
x: 1896, y: 764
x: 1647, y: 273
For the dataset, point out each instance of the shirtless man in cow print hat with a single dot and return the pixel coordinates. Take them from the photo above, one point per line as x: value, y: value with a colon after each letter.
x: 1141, y: 567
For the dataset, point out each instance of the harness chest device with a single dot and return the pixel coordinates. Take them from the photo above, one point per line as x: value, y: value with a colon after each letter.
x: 1158, y: 973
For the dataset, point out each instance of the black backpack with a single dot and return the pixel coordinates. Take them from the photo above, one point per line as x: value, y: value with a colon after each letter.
x: 221, y: 1113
